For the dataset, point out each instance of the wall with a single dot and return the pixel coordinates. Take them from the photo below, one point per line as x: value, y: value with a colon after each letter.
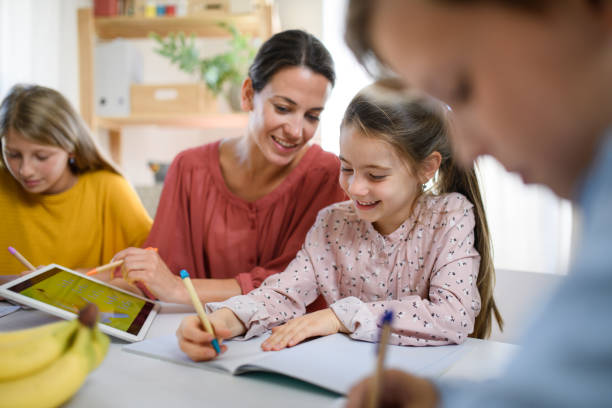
x: 519, y: 295
x: 144, y: 143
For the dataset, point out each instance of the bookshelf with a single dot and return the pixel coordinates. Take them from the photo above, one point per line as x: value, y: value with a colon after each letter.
x: 260, y: 23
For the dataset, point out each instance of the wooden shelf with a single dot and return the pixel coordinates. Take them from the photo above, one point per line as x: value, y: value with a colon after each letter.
x: 262, y: 23
x: 203, y: 121
x: 206, y: 26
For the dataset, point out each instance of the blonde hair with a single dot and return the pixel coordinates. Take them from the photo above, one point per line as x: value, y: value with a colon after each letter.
x: 42, y: 115
x: 416, y: 126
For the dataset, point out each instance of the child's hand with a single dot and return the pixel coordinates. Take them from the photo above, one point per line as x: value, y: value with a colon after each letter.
x: 196, y: 342
x: 320, y: 323
x: 398, y: 389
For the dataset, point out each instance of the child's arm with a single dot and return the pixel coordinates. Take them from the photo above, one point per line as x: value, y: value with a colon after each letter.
x: 285, y: 295
x: 197, y: 342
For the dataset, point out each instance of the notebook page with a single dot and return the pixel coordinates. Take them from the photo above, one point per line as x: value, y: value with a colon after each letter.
x: 166, y: 348
x: 337, y: 362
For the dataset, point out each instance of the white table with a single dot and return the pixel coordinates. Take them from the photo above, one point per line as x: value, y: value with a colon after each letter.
x: 127, y: 379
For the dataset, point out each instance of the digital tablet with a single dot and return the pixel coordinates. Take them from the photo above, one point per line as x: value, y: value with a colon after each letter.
x: 62, y: 292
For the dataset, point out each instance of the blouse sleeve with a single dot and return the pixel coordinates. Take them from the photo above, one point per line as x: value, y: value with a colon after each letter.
x: 283, y: 296
x: 454, y: 302
x: 126, y: 221
x: 171, y: 232
x: 326, y: 192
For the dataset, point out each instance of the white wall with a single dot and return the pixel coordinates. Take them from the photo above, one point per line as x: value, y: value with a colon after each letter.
x: 518, y: 295
x: 38, y: 44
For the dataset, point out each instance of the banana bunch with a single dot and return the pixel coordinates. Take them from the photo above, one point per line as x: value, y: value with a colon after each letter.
x: 44, y: 366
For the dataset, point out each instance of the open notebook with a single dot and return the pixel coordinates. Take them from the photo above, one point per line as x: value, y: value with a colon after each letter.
x: 333, y: 362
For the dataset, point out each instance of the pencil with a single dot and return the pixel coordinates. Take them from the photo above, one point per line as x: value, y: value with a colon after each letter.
x: 385, y: 332
x: 198, y: 307
x: 21, y: 258
x: 104, y: 267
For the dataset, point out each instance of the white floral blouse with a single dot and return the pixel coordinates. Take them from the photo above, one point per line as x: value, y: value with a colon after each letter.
x: 425, y: 272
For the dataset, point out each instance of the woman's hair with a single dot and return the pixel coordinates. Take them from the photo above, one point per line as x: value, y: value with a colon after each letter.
x: 359, y: 18
x: 290, y: 48
x: 42, y: 115
x: 415, y: 126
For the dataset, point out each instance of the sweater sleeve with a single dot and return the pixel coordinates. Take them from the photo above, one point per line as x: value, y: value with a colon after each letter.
x: 283, y: 296
x: 321, y: 191
x: 448, y: 315
x: 171, y: 232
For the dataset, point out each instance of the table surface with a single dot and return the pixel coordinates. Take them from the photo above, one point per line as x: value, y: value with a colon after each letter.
x: 128, y: 379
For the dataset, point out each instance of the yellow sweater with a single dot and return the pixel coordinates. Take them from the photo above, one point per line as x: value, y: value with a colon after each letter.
x: 79, y: 228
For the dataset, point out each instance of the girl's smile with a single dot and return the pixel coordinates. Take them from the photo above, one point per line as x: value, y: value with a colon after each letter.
x: 364, y: 205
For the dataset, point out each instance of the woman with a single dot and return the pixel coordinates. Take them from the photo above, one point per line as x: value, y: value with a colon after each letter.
x: 236, y: 211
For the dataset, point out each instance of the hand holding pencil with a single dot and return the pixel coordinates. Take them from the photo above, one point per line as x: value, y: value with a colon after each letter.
x: 198, y: 336
x: 391, y: 388
x: 122, y: 266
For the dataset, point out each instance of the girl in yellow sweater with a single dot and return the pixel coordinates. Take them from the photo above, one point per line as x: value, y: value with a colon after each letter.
x: 61, y: 200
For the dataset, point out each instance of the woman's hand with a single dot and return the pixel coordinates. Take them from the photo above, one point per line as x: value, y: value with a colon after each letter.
x: 320, y: 323
x: 197, y: 342
x: 146, y: 267
x: 398, y: 389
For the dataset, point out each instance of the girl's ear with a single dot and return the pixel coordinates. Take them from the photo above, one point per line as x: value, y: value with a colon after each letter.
x: 246, y: 95
x: 429, y: 166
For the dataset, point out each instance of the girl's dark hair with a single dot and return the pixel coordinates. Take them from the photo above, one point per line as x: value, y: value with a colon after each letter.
x: 290, y: 48
x: 42, y: 115
x: 415, y: 126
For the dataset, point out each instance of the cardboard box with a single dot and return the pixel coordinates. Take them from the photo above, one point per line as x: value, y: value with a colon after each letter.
x: 172, y: 98
x: 205, y: 7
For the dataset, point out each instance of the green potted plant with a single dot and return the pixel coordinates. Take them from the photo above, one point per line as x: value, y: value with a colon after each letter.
x: 222, y: 73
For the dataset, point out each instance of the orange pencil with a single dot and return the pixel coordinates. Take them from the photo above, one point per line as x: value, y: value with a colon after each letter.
x: 104, y: 267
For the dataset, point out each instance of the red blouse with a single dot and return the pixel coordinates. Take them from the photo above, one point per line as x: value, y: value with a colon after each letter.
x: 201, y: 226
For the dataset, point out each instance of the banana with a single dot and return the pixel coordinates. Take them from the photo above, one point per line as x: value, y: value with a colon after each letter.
x: 56, y: 383
x: 36, y: 352
x: 12, y: 337
x: 100, y: 343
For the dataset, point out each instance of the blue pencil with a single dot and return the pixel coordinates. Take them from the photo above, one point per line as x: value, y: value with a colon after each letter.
x: 383, y: 340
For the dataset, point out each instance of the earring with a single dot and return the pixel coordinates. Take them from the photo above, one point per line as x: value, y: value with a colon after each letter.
x: 71, y: 161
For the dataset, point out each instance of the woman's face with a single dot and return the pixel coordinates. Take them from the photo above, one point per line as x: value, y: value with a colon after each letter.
x: 39, y: 168
x: 530, y: 89
x: 285, y: 113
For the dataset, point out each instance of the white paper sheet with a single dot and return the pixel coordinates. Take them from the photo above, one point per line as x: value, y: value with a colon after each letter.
x: 333, y: 362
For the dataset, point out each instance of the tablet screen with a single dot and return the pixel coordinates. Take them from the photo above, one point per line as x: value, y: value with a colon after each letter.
x: 71, y: 292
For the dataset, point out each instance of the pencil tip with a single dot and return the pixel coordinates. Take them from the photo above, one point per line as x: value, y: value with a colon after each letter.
x: 387, y: 317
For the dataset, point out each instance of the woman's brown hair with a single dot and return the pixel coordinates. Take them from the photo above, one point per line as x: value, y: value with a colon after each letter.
x: 416, y: 126
x: 42, y: 115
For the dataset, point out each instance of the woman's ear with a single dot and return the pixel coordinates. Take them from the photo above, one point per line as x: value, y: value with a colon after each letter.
x: 429, y: 166
x: 246, y: 95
